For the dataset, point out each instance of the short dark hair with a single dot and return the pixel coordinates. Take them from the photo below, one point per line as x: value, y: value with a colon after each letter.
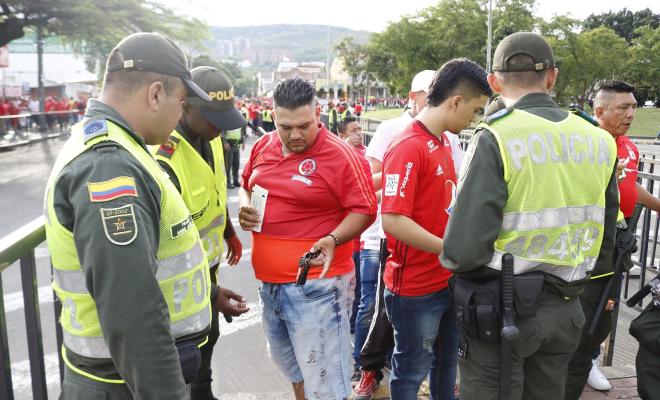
x: 521, y: 78
x: 458, y: 76
x: 293, y: 93
x: 607, y: 88
x: 128, y: 82
x: 343, y: 124
x: 615, y: 86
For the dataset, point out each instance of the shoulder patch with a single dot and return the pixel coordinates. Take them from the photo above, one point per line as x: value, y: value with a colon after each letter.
x: 585, y: 116
x: 119, y: 224
x: 167, y: 150
x: 94, y: 127
x: 500, y: 114
x: 112, y: 189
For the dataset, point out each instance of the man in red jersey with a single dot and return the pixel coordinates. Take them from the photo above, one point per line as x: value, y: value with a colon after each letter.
x: 419, y: 190
x: 614, y: 110
x: 318, y: 196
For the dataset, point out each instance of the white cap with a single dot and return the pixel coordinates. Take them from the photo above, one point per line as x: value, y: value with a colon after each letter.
x: 422, y: 81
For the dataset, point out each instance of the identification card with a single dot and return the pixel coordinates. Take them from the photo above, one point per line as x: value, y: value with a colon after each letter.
x: 259, y: 197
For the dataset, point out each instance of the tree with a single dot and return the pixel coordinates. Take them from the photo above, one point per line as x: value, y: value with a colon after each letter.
x: 644, y: 64
x: 584, y: 58
x: 433, y: 36
x: 94, y: 27
x: 624, y: 22
x: 355, y: 62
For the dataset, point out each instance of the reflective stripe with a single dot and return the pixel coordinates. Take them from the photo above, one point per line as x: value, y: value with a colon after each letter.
x: 565, y: 272
x: 70, y: 280
x: 552, y: 218
x: 88, y: 346
x: 74, y: 280
x: 193, y: 324
x: 175, y: 265
x: 214, y: 224
x: 95, y: 347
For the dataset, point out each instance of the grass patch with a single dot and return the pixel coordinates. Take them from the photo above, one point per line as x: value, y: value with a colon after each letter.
x: 383, y: 113
x: 646, y: 122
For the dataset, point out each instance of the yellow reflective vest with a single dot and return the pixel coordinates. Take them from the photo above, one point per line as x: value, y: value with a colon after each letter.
x: 182, y: 274
x: 204, y: 190
x: 556, y: 175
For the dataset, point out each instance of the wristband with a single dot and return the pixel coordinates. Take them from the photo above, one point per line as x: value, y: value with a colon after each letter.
x: 333, y: 238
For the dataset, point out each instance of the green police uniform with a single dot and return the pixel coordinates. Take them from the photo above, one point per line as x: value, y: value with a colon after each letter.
x: 646, y: 329
x: 119, y: 235
x: 196, y: 167
x: 515, y: 195
x: 332, y: 120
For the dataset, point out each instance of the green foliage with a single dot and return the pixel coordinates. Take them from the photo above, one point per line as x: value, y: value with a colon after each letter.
x: 624, y: 22
x: 433, y: 36
x: 95, y: 27
x: 644, y: 64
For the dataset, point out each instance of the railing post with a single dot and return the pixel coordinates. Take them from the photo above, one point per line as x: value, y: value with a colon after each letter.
x: 6, y: 388
x: 33, y: 326
x: 57, y: 305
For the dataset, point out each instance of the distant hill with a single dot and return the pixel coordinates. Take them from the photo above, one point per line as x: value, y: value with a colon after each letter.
x: 305, y: 42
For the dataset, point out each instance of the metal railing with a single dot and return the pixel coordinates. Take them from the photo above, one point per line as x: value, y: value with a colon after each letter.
x: 19, y: 129
x: 18, y: 248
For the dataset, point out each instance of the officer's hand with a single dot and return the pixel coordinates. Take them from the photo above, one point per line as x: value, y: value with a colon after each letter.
x: 223, y: 302
x: 248, y: 218
x: 626, y: 241
x: 327, y: 247
x: 234, y: 250
x: 620, y: 173
x: 243, y: 146
x: 225, y: 145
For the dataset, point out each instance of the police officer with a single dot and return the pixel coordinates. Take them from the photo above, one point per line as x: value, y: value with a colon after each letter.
x: 233, y: 144
x: 193, y: 158
x: 267, y: 118
x: 539, y: 183
x: 129, y: 267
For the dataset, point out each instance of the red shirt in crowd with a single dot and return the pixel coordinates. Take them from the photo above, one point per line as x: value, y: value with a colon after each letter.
x: 419, y: 182
x: 309, y: 194
x: 627, y: 151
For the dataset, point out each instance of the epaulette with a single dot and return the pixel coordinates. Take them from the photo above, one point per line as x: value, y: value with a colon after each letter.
x: 494, y: 117
x: 167, y: 150
x: 93, y: 128
x: 584, y: 115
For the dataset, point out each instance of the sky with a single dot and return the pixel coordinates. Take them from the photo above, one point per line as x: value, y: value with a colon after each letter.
x: 370, y: 15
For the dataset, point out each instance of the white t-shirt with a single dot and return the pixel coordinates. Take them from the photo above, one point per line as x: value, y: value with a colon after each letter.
x: 378, y: 145
x: 33, y: 105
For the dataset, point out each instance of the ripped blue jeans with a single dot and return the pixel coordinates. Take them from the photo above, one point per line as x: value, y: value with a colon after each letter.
x: 425, y: 343
x: 308, y: 336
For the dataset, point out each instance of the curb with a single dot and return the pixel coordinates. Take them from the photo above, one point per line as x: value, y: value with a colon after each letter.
x: 31, y: 138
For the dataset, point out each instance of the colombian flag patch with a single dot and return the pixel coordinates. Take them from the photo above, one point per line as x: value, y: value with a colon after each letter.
x: 112, y: 189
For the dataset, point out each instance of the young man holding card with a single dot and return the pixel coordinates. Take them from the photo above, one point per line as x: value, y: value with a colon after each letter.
x: 318, y: 196
x: 419, y: 193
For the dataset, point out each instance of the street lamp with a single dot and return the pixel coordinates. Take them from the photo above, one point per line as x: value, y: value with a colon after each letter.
x: 490, y: 35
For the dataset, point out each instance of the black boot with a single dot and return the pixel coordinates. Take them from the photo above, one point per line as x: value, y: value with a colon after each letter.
x: 202, y: 391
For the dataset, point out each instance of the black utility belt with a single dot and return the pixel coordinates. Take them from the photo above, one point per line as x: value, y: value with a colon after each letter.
x: 478, y: 303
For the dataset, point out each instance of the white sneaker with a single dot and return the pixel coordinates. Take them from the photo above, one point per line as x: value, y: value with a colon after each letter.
x: 596, y: 379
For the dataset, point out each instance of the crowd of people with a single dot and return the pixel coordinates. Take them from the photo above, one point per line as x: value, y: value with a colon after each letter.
x: 492, y: 262
x: 60, y: 112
